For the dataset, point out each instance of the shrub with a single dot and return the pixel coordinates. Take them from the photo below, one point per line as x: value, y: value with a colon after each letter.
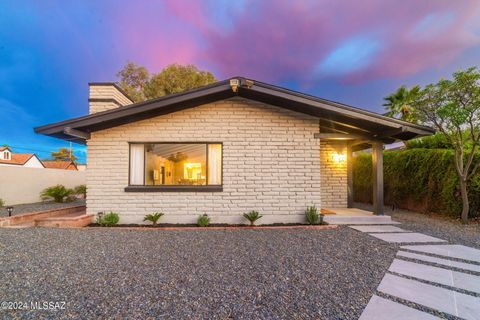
x: 422, y: 180
x: 81, y: 190
x: 203, y: 220
x: 252, y: 216
x: 154, y: 217
x: 109, y: 219
x: 58, y: 193
x: 312, y: 216
x: 2, y: 203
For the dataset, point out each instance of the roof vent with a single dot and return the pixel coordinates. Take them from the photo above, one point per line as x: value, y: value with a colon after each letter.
x: 234, y: 83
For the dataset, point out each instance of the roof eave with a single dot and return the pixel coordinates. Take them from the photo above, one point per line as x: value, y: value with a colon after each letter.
x: 324, y: 109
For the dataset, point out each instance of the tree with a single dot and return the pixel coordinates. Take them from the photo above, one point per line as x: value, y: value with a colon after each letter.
x: 140, y: 85
x: 453, y: 108
x: 133, y: 79
x: 63, y: 154
x: 399, y: 104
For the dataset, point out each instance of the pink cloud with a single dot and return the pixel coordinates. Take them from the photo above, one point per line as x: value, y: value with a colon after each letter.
x: 275, y: 40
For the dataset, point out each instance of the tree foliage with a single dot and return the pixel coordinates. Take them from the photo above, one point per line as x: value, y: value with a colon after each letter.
x: 63, y: 154
x: 399, y: 104
x: 423, y: 180
x: 140, y: 85
x: 453, y: 108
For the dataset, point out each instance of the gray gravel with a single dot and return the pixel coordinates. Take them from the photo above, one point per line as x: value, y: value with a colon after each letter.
x: 441, y: 227
x: 239, y: 274
x: 40, y: 206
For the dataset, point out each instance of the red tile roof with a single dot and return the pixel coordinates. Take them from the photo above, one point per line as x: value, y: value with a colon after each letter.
x: 3, y: 148
x: 18, y: 158
x: 65, y: 165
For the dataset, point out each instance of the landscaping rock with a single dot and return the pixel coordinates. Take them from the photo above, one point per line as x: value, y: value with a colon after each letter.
x: 230, y: 274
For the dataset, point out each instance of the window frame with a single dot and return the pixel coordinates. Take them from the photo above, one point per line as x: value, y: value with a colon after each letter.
x: 173, y: 188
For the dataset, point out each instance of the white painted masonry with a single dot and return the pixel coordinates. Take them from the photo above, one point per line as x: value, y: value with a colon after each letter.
x: 271, y: 163
x: 105, y: 92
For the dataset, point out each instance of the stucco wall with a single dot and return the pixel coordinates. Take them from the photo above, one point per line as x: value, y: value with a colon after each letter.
x: 270, y: 164
x: 23, y: 185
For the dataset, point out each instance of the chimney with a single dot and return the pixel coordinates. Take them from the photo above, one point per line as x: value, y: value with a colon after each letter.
x: 106, y: 96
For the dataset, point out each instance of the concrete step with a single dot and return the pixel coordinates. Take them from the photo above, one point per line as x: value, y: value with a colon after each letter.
x: 363, y: 220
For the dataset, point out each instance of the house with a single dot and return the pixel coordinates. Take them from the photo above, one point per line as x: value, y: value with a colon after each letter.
x: 225, y: 149
x: 58, y: 164
x: 8, y: 158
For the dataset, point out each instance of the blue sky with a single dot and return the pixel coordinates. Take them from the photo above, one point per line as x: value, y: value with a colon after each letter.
x: 352, y: 52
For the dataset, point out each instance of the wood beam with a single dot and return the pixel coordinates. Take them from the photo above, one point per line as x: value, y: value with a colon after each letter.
x: 337, y: 136
x: 349, y: 176
x: 76, y: 133
x: 377, y: 178
x: 351, y: 136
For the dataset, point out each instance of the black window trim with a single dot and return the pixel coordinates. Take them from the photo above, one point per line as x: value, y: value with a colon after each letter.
x: 173, y: 188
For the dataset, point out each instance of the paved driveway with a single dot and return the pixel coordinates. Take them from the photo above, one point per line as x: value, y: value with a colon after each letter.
x: 240, y: 274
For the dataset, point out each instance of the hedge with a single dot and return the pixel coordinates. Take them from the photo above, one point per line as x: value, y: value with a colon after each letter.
x: 422, y: 180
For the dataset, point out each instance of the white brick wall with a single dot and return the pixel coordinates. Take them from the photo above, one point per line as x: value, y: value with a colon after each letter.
x: 105, y: 91
x: 333, y: 175
x: 271, y: 163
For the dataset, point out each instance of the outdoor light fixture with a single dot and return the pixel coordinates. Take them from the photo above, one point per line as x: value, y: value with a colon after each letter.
x: 100, y: 215
x: 339, y: 157
x: 9, y: 210
x: 234, y: 83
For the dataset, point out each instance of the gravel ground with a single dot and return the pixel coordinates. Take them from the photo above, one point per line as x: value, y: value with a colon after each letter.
x: 441, y: 227
x: 237, y: 274
x: 40, y: 206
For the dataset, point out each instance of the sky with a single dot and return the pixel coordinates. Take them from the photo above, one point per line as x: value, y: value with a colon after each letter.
x: 350, y: 51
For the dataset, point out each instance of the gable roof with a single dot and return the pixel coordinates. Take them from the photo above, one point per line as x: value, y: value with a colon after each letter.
x: 54, y: 164
x: 334, y: 117
x: 20, y: 159
x: 5, y: 148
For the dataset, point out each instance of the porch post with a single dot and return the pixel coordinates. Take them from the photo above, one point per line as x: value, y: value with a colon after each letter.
x: 349, y: 176
x: 377, y: 178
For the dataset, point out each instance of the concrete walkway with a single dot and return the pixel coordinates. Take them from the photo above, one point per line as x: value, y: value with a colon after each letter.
x: 428, y: 279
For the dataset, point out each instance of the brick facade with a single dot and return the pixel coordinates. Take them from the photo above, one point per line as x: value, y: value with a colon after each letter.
x: 271, y: 163
x: 99, y: 92
x: 333, y: 175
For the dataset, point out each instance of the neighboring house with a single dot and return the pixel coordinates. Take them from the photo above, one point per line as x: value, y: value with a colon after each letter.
x: 57, y: 164
x: 225, y: 149
x: 8, y: 158
x: 81, y: 167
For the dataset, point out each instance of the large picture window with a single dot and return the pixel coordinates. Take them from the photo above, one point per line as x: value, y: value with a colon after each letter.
x: 179, y: 165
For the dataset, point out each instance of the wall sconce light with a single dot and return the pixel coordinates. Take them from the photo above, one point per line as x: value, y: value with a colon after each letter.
x: 339, y: 157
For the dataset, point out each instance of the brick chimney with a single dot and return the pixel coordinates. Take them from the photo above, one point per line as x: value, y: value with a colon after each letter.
x: 105, y: 96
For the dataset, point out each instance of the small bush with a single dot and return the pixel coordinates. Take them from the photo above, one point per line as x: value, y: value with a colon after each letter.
x: 203, y: 220
x: 312, y: 216
x: 81, y: 190
x: 2, y: 203
x: 252, y: 216
x: 58, y: 193
x: 109, y: 219
x: 153, y: 218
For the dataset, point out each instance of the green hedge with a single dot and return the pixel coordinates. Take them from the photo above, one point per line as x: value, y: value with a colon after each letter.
x: 422, y: 180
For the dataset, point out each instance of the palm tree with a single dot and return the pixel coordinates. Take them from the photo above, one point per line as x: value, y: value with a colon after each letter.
x: 399, y: 104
